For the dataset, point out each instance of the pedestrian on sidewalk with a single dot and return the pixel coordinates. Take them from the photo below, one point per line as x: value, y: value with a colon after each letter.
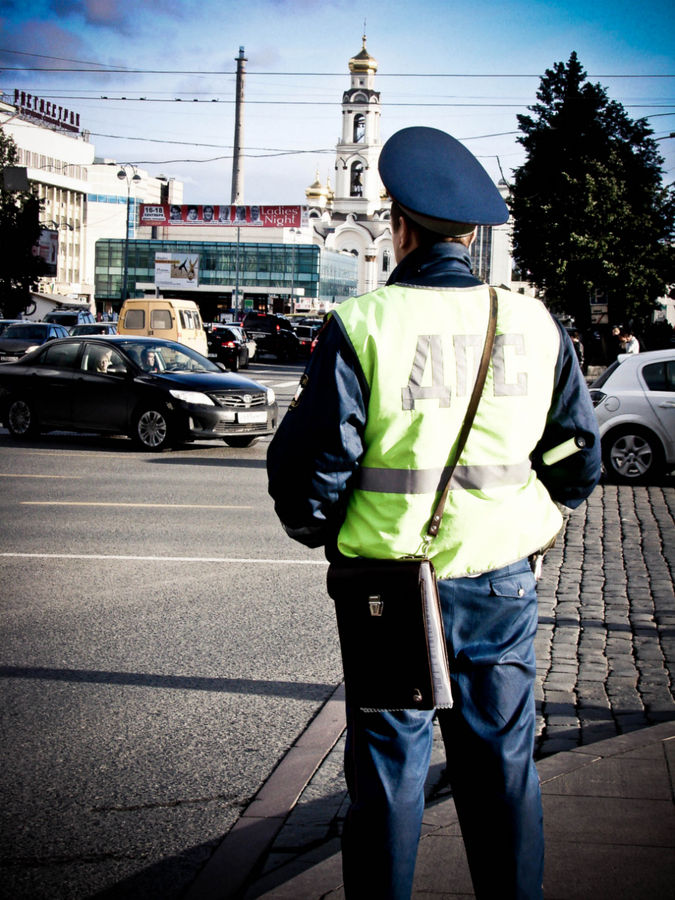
x: 354, y: 465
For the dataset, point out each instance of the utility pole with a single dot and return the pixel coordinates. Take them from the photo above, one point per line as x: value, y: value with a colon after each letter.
x: 237, y: 197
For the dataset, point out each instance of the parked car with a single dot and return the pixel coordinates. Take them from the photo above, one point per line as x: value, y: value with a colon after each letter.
x: 69, y: 317
x: 273, y: 334
x: 21, y: 337
x: 95, y: 328
x: 634, y: 403
x: 157, y: 392
x: 227, y: 344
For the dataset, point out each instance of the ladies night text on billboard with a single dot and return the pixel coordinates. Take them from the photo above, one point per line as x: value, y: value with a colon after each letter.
x: 240, y: 216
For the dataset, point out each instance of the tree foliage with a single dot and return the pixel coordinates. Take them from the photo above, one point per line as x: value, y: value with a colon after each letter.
x: 19, y: 233
x: 592, y: 219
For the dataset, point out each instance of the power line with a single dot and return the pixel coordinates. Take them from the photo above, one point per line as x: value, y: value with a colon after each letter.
x: 416, y: 104
x: 109, y: 70
x: 273, y: 150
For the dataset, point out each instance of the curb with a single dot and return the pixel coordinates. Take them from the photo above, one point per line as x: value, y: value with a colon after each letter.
x: 244, y: 848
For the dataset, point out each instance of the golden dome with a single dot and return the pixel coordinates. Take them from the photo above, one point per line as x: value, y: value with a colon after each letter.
x: 316, y: 190
x: 363, y: 61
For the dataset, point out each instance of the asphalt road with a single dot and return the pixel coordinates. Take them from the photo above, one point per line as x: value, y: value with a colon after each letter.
x: 162, y: 645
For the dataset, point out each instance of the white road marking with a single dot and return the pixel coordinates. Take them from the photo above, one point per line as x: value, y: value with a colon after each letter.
x: 277, y: 384
x: 164, y: 559
x: 28, y: 475
x: 141, y: 505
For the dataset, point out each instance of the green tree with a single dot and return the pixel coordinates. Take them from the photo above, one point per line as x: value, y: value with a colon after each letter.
x: 19, y: 233
x: 592, y: 219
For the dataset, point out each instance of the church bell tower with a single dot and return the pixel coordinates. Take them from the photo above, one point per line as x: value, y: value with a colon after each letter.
x: 357, y: 182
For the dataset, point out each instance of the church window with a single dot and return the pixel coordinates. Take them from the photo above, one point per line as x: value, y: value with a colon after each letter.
x: 359, y: 128
x: 356, y: 183
x: 386, y: 260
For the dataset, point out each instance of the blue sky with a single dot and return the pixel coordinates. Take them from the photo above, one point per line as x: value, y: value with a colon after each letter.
x: 298, y: 114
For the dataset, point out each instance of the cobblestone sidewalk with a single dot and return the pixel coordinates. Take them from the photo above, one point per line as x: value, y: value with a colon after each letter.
x: 606, y: 638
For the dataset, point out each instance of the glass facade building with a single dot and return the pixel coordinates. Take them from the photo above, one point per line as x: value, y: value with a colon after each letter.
x: 280, y: 272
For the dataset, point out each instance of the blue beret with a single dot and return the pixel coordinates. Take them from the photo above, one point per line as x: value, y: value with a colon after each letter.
x: 438, y: 182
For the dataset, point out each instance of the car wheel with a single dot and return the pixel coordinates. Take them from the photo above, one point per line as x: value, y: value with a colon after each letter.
x: 631, y: 455
x: 21, y: 420
x: 240, y: 440
x: 235, y: 363
x: 152, y: 430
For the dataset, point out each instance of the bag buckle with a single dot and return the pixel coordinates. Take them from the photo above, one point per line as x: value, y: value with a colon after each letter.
x: 375, y: 605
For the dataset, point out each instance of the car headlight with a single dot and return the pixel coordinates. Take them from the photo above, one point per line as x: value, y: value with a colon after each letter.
x: 271, y: 397
x: 194, y: 397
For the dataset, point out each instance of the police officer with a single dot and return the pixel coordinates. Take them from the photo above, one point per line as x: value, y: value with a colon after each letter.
x: 354, y: 467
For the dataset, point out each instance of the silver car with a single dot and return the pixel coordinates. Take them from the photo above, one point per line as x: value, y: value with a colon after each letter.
x: 634, y: 403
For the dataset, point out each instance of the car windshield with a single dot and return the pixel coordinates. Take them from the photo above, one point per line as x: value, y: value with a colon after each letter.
x: 28, y: 332
x: 166, y: 357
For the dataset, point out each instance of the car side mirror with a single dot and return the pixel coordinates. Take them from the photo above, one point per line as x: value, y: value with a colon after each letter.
x: 222, y: 366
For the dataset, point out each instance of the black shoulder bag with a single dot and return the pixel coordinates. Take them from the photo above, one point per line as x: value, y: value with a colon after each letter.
x: 392, y: 640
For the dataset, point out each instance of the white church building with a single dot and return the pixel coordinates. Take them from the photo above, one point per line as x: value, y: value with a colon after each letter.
x: 354, y: 217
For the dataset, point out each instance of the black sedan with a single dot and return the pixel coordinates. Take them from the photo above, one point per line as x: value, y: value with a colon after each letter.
x: 21, y: 337
x: 227, y: 344
x: 158, y: 392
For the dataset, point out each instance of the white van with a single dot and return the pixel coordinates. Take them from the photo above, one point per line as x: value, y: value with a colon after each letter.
x: 173, y: 320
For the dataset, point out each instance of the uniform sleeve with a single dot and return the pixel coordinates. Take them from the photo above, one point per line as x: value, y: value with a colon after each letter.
x: 567, y: 459
x: 318, y: 445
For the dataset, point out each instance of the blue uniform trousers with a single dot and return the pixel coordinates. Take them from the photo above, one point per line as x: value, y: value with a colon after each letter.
x: 490, y: 623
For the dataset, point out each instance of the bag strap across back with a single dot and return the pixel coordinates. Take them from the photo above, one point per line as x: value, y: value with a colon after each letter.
x: 437, y: 516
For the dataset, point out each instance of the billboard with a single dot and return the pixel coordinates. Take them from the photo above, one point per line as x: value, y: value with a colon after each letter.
x: 176, y: 270
x: 167, y: 214
x: 47, y: 248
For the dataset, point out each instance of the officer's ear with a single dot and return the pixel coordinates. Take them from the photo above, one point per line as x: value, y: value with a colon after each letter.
x: 404, y: 238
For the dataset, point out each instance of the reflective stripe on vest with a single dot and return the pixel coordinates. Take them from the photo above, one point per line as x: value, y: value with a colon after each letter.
x: 419, y: 350
x: 422, y: 481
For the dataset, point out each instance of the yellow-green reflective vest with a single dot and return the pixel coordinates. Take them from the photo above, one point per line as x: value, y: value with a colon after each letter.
x: 419, y: 349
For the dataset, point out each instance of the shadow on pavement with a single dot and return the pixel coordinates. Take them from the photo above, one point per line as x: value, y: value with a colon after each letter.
x: 288, y: 689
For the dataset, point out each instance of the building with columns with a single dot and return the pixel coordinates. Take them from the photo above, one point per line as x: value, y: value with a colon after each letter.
x: 83, y: 199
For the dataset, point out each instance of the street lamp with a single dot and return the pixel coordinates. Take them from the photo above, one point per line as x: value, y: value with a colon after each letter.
x: 125, y: 174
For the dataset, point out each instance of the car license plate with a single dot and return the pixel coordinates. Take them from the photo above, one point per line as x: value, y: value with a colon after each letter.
x: 250, y: 418
x: 212, y: 355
